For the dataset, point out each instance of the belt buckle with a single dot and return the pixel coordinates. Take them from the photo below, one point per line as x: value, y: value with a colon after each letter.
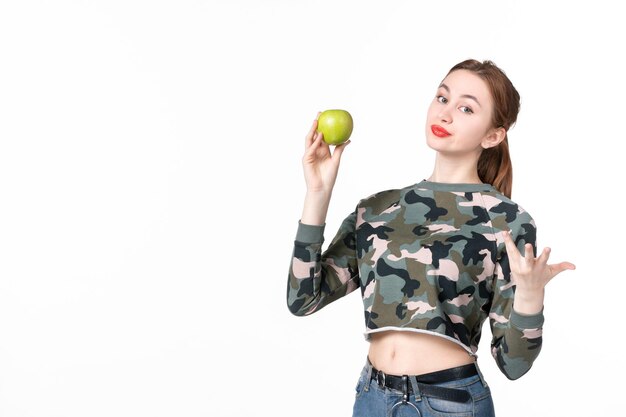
x: 381, y: 378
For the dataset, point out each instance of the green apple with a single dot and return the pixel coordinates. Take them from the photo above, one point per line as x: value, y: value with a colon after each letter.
x: 335, y: 125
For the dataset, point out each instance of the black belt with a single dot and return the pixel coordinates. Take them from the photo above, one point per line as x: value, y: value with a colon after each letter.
x: 402, y: 383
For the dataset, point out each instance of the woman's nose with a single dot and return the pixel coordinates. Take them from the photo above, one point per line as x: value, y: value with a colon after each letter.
x: 445, y: 115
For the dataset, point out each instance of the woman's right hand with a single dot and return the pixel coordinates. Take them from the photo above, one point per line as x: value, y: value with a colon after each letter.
x: 320, y: 165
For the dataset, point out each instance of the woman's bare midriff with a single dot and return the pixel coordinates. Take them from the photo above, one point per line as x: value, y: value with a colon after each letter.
x: 410, y: 353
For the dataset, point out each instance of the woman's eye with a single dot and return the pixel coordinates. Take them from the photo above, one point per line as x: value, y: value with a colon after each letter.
x: 466, y: 109
x: 442, y: 99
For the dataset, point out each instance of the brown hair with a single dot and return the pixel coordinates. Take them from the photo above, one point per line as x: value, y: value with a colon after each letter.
x: 494, y: 164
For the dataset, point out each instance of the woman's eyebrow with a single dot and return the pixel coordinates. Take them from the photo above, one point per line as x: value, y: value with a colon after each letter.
x: 471, y: 97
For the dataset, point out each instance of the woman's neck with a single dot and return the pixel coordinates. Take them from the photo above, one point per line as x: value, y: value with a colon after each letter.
x: 456, y: 171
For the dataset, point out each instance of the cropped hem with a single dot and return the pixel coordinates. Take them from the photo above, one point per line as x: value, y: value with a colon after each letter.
x: 309, y: 233
x: 408, y: 329
x: 526, y: 321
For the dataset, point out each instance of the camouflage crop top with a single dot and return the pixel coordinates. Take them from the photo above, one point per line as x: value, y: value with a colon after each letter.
x: 427, y: 258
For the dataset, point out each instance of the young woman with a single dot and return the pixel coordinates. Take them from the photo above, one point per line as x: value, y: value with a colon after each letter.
x: 433, y: 260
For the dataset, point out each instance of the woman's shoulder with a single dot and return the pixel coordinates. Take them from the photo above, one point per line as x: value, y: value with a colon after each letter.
x: 513, y: 211
x: 385, y: 198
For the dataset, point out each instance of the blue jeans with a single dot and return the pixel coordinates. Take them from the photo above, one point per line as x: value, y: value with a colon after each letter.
x: 374, y: 401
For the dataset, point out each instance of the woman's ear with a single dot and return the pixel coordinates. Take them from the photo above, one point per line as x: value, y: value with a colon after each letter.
x: 494, y: 137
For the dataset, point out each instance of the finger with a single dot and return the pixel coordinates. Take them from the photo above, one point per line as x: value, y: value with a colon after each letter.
x: 529, y: 254
x: 314, y: 146
x: 339, y: 151
x: 319, y: 139
x: 511, y: 249
x: 560, y: 267
x: 567, y: 266
x: 542, y: 260
x: 322, y: 148
x: 310, y: 137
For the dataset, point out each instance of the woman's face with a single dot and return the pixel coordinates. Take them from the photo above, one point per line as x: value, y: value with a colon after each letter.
x: 459, y: 117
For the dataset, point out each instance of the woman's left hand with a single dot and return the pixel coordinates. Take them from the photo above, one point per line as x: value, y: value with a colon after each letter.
x: 530, y: 275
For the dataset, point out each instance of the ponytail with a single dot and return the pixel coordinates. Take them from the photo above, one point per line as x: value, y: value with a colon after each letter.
x: 494, y: 164
x: 495, y: 167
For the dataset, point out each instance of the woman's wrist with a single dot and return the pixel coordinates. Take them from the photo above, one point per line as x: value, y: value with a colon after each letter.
x: 315, y: 207
x: 528, y: 302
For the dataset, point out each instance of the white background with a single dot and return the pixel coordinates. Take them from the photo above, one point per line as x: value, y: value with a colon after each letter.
x: 150, y: 187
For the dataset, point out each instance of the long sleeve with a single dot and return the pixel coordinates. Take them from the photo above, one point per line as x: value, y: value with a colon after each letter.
x: 316, y: 279
x: 517, y: 338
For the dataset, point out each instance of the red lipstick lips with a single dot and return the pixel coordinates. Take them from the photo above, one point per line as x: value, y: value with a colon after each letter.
x: 439, y: 131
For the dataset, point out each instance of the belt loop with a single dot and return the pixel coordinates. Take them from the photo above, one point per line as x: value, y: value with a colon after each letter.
x: 480, y: 374
x: 416, y: 388
x: 368, y: 378
x: 381, y: 378
x: 405, y: 389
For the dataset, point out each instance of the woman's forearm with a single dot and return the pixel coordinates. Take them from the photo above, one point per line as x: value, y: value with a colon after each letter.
x: 315, y: 207
x: 528, y: 302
